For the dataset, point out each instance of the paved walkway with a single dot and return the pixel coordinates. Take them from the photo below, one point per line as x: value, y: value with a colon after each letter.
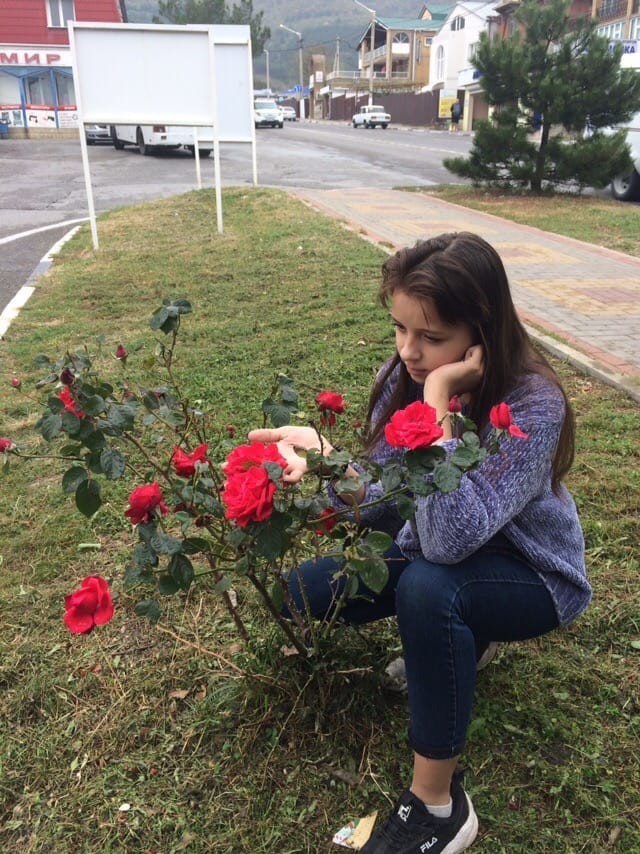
x: 580, y: 301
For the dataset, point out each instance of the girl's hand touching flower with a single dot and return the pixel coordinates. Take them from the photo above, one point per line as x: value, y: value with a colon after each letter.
x: 290, y: 440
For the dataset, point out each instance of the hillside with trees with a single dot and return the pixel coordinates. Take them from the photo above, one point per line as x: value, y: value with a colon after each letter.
x: 320, y: 25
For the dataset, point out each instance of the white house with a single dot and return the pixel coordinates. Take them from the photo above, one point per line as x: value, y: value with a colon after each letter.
x: 452, y: 50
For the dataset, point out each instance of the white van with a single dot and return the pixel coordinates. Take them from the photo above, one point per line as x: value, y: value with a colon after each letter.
x: 626, y: 188
x: 149, y: 138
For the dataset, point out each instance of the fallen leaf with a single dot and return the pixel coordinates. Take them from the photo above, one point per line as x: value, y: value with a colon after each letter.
x: 179, y: 694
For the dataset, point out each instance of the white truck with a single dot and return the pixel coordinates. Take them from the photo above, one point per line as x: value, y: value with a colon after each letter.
x: 150, y: 138
x: 626, y: 187
x: 370, y: 116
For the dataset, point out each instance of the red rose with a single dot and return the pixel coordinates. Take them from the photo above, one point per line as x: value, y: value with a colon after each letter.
x: 6, y: 445
x: 454, y: 404
x: 16, y: 382
x: 248, y: 496
x: 413, y: 427
x: 67, y: 376
x: 330, y: 404
x: 121, y: 352
x: 185, y: 464
x: 231, y: 430
x: 244, y: 457
x: 143, y: 503
x: 500, y: 417
x: 326, y: 522
x: 70, y: 404
x: 89, y: 606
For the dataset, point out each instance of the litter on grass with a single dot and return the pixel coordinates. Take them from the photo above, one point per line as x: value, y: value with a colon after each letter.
x: 354, y: 834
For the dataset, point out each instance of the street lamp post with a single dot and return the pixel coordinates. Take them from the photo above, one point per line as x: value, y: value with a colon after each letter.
x: 372, y: 39
x: 301, y: 92
x: 268, y: 81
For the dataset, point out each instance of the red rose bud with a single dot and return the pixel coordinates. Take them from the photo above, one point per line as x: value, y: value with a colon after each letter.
x: 6, y: 445
x: 413, y: 427
x: 186, y: 465
x: 326, y: 522
x: 16, y: 382
x: 500, y: 418
x: 144, y: 502
x: 121, y: 352
x: 454, y: 404
x: 89, y: 606
x: 231, y: 431
x: 67, y: 376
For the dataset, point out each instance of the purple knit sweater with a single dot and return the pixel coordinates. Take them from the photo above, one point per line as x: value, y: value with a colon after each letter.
x: 510, y: 492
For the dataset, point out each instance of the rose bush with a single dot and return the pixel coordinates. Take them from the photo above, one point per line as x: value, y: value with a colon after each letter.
x: 207, y: 510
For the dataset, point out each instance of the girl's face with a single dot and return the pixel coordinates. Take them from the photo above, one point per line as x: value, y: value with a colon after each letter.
x: 424, y: 342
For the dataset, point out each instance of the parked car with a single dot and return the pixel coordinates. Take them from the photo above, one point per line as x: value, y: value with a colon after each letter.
x: 266, y: 113
x: 626, y: 188
x: 150, y: 138
x: 289, y: 114
x: 370, y: 116
x: 96, y: 133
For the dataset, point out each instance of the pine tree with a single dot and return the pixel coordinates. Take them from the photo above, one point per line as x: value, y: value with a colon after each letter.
x: 561, y: 74
x: 216, y: 12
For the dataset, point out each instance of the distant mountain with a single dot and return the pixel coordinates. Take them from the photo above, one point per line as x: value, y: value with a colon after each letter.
x: 321, y: 26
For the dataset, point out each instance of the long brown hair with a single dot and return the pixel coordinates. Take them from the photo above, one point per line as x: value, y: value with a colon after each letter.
x: 465, y: 279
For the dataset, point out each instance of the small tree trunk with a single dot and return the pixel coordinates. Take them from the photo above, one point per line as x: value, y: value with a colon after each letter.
x: 541, y: 156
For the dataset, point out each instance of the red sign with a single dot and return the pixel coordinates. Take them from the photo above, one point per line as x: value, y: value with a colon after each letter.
x: 25, y: 57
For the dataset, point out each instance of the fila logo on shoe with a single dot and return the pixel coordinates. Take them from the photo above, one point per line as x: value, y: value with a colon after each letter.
x: 427, y: 845
x: 403, y: 812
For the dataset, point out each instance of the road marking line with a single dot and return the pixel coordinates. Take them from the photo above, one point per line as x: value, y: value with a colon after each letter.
x: 11, y: 310
x: 13, y: 237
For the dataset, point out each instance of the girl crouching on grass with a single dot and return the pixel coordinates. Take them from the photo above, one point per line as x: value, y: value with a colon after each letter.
x: 499, y: 559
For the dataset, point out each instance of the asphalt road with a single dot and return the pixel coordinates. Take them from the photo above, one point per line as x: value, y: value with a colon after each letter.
x: 42, y: 190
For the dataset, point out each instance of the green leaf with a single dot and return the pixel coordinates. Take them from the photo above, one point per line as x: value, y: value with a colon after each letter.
x: 406, y: 507
x: 224, y: 584
x: 93, y: 405
x: 164, y: 544
x: 135, y: 575
x: 113, y: 463
x: 167, y: 585
x: 378, y: 541
x: 272, y: 538
x: 121, y: 416
x: 181, y: 570
x: 465, y: 457
x: 472, y: 440
x: 93, y: 439
x: 143, y: 555
x: 88, y: 498
x: 148, y: 608
x: 72, y: 479
x: 193, y: 545
x: 447, y: 477
x: 159, y: 317
x: 243, y: 565
x: 183, y: 306
x: 374, y: 573
x: 71, y: 424
x: 279, y: 414
x: 276, y: 594
x: 50, y: 426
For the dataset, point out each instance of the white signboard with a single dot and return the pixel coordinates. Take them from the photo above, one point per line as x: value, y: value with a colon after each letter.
x: 144, y: 74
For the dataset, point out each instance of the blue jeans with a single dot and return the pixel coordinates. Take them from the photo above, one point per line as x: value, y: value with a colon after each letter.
x: 447, y: 615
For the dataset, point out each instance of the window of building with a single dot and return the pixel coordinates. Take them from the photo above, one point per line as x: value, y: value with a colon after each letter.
x: 457, y: 23
x: 64, y: 87
x: 39, y: 89
x: 428, y: 41
x: 471, y: 51
x: 634, y: 32
x: 401, y: 38
x: 59, y: 12
x: 611, y: 31
x: 440, y: 63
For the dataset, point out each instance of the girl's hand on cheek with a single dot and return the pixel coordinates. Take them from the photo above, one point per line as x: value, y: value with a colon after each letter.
x: 459, y: 378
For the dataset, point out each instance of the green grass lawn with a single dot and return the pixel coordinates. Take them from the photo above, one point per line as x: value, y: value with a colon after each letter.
x: 180, y: 738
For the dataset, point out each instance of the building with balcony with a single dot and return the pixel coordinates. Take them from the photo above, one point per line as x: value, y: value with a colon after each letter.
x: 398, y: 59
x: 36, y: 81
x: 619, y: 20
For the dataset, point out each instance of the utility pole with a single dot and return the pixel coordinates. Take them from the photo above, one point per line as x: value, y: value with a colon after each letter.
x: 301, y: 92
x: 372, y: 46
x: 268, y: 81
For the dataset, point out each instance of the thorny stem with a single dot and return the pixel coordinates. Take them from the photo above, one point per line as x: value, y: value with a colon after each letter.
x: 282, y: 621
x: 231, y: 608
